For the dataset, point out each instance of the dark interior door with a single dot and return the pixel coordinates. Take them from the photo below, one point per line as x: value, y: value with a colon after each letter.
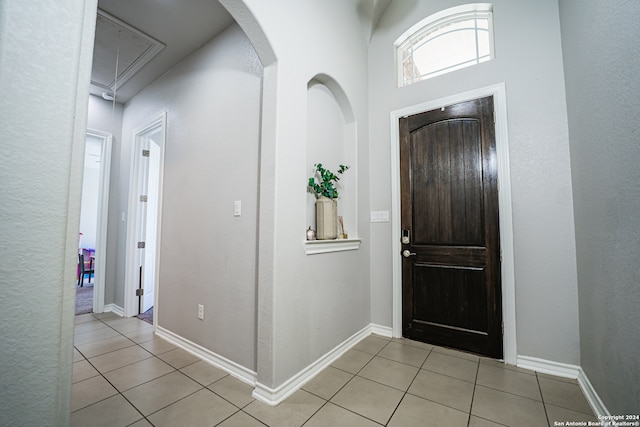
x: 451, y: 255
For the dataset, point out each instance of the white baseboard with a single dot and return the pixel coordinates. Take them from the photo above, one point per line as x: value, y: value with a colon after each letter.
x: 548, y: 367
x: 261, y: 392
x: 114, y: 309
x: 592, y: 397
x: 238, y: 371
x: 566, y: 371
x: 273, y: 396
x: 384, y: 331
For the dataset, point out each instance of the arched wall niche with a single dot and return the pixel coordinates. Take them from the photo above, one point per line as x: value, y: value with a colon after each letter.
x: 331, y: 140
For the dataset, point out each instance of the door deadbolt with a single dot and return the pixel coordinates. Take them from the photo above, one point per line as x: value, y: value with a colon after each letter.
x: 407, y: 253
x: 405, y: 237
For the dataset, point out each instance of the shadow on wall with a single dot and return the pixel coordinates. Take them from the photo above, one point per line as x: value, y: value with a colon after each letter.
x: 372, y: 11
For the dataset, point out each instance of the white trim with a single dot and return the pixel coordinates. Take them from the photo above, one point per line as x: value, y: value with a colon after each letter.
x: 590, y: 394
x: 102, y: 219
x: 130, y: 307
x: 273, y: 396
x: 465, y: 8
x: 238, y: 371
x: 384, y: 331
x: 312, y: 247
x: 567, y: 371
x: 498, y: 92
x: 433, y: 19
x: 156, y: 290
x: 544, y: 366
x: 154, y: 49
x: 113, y: 308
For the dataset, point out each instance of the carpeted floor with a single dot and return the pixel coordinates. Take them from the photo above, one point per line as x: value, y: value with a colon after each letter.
x: 147, y: 316
x: 84, y: 303
x: 84, y: 299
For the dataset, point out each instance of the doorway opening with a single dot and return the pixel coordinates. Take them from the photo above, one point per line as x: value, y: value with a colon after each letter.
x: 143, y: 231
x: 92, y: 241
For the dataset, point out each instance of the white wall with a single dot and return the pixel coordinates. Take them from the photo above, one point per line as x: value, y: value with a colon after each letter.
x: 43, y: 105
x: 207, y: 256
x: 603, y: 103
x: 90, y: 191
x: 89, y: 203
x: 308, y: 304
x: 528, y: 59
x: 106, y: 117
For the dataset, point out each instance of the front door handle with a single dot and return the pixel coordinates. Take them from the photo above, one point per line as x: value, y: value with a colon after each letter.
x: 407, y: 253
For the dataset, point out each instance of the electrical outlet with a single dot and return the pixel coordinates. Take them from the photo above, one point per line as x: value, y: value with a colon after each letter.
x: 237, y: 208
x: 200, y: 311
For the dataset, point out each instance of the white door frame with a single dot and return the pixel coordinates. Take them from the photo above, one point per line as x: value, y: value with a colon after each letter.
x: 102, y: 220
x: 131, y: 269
x: 504, y: 203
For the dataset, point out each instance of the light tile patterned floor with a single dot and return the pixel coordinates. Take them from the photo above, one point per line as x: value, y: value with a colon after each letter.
x: 125, y: 376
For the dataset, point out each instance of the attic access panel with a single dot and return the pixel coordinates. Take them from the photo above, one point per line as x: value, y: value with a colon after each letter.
x: 119, y: 44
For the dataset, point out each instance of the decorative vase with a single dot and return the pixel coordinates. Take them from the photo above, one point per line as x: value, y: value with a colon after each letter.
x: 326, y: 218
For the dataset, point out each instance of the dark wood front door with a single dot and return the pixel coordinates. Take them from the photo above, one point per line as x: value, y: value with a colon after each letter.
x: 451, y: 255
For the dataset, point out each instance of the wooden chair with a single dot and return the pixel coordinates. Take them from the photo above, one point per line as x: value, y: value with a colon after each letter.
x: 84, y: 269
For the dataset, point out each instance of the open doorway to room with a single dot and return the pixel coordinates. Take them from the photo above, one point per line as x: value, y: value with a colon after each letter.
x: 93, y: 223
x: 145, y: 201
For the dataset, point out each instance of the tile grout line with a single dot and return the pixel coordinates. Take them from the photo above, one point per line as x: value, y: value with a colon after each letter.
x: 353, y: 375
x: 473, y: 394
x: 544, y: 406
x: 327, y: 401
x: 246, y: 413
x: 372, y: 357
x: 407, y: 390
x: 111, y: 384
x: 356, y: 375
x: 145, y: 417
x: 175, y: 369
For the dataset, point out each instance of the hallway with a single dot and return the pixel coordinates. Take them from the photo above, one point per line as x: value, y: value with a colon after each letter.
x: 123, y: 376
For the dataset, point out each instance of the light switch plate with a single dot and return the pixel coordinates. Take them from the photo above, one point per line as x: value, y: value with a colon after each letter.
x: 237, y: 208
x: 379, y: 216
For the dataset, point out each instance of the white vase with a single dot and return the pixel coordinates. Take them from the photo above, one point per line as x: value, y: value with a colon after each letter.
x: 326, y: 218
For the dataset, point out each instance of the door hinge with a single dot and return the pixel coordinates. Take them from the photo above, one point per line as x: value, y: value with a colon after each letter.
x: 145, y: 153
x: 140, y: 245
x: 494, y: 117
x: 503, y: 327
x: 139, y: 292
x: 143, y: 198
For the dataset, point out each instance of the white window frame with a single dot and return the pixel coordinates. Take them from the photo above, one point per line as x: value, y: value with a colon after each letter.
x: 422, y: 29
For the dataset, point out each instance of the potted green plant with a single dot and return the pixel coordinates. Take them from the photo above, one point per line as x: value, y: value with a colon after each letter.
x: 326, y: 204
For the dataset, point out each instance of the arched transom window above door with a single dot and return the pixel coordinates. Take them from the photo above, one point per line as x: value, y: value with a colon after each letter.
x: 446, y: 41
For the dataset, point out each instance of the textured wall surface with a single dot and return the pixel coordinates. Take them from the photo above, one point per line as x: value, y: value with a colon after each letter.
x: 43, y: 105
x: 312, y: 303
x: 600, y: 47
x: 207, y: 255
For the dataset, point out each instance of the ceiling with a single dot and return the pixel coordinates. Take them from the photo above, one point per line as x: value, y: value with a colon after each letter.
x: 143, y: 39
